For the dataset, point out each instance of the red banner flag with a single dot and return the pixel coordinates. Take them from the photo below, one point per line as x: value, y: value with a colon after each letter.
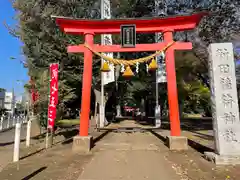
x: 53, y: 101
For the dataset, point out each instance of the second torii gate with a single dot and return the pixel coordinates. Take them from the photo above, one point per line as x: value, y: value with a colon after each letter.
x: 89, y: 28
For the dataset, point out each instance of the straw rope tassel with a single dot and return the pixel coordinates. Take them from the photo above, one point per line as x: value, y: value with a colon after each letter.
x: 128, y: 72
x: 153, y: 65
x: 105, y: 67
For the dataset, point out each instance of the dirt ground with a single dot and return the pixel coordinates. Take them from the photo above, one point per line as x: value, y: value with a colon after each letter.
x: 59, y: 163
x: 192, y: 166
x: 37, y: 145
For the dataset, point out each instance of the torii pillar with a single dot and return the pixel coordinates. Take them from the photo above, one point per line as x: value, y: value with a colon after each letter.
x: 89, y: 28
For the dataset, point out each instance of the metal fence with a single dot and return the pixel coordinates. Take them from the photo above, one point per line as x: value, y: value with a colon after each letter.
x: 8, y: 122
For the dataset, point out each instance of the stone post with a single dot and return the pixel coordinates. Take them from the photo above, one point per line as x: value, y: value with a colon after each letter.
x: 224, y: 99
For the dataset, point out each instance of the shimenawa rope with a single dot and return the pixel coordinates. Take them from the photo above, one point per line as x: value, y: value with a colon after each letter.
x: 129, y: 62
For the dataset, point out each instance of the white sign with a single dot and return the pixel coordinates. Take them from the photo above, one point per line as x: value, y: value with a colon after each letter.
x: 158, y: 116
x: 161, y: 71
x: 106, y: 39
x: 105, y: 9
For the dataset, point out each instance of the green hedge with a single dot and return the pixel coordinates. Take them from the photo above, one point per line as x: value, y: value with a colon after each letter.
x: 67, y: 122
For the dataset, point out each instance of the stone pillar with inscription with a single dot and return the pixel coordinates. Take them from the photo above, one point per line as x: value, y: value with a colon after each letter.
x: 224, y: 99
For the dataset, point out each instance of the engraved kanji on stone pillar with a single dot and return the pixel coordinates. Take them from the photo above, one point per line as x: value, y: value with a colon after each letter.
x: 224, y: 99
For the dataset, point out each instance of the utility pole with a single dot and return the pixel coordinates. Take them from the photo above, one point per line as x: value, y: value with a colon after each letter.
x: 106, y: 39
x: 102, y: 102
x: 160, y: 10
x: 119, y: 114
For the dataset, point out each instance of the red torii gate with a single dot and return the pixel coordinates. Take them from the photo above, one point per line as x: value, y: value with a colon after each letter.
x: 90, y: 28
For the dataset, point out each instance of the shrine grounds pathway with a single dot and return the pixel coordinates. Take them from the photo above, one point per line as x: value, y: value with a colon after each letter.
x: 134, y: 156
x: 129, y: 156
x: 140, y: 156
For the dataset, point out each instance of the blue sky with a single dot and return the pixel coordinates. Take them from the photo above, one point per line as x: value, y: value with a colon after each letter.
x: 10, y: 70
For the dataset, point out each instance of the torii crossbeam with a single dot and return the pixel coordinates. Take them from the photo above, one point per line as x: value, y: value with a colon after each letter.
x: 89, y: 28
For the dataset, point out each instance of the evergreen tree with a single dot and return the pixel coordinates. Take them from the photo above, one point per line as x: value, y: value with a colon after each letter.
x: 44, y: 43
